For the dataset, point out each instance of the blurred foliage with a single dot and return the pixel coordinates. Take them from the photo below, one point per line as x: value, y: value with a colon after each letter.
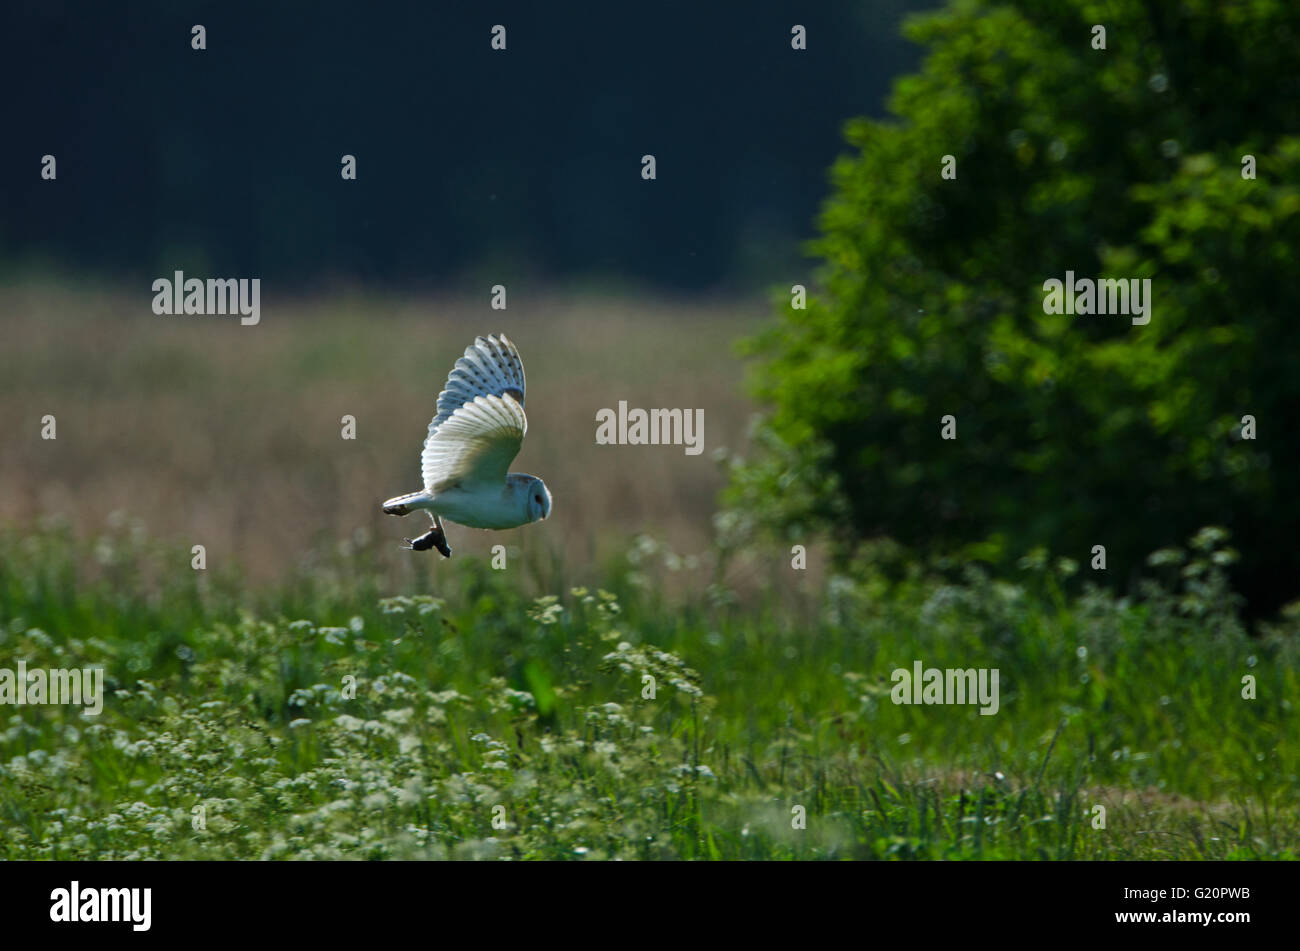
x: 474, y: 165
x: 1072, y: 431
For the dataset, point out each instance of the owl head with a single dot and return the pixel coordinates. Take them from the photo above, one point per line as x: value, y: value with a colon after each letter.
x: 539, y: 500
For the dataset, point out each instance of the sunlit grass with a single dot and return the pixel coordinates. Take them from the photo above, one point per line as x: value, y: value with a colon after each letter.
x: 231, y: 437
x: 235, y: 705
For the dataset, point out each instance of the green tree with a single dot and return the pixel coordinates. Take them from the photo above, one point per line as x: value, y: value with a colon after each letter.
x: 1072, y: 431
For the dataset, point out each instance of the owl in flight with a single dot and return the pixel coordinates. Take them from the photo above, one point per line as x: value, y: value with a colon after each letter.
x: 472, y: 440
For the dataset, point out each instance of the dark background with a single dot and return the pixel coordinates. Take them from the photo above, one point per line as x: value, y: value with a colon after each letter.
x: 227, y: 160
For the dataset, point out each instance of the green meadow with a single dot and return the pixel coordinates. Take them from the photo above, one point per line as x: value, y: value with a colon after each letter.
x: 337, y: 716
x: 707, y: 651
x: 315, y: 692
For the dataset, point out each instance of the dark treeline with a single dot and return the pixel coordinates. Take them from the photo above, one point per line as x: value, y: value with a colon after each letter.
x: 469, y: 160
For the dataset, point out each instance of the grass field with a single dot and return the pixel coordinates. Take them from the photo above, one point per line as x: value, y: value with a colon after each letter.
x: 227, y: 436
x: 237, y: 705
x: 315, y: 693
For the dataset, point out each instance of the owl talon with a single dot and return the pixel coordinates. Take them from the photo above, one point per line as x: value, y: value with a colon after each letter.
x: 433, y: 538
x: 423, y: 543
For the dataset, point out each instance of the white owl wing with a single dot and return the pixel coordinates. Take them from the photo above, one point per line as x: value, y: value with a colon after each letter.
x: 480, y: 423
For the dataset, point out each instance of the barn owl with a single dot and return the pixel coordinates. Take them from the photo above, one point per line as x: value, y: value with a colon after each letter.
x: 472, y: 440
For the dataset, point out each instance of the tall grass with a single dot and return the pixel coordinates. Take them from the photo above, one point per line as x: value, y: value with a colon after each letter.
x: 231, y: 729
x: 231, y: 437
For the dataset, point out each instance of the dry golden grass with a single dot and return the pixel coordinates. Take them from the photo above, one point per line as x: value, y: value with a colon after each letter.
x: 229, y: 436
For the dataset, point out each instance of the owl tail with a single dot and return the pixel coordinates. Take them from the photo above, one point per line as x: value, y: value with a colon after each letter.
x: 406, y: 504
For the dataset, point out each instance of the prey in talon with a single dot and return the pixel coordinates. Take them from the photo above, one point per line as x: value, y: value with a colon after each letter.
x: 476, y: 434
x: 435, y: 537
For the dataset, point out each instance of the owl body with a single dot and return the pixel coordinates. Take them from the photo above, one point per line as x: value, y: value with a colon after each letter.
x: 476, y: 434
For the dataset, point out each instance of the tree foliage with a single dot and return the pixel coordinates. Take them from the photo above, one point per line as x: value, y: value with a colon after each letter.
x: 1073, y: 431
